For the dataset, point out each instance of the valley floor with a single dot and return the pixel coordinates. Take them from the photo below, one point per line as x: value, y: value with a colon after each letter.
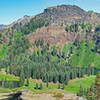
x: 50, y: 93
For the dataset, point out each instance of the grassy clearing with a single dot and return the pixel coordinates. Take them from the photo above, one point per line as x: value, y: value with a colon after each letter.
x: 72, y: 87
x: 84, y: 56
x: 5, y: 90
x: 3, y: 50
x: 8, y: 77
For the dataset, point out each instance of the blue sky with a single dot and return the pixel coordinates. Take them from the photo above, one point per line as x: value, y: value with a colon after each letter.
x: 11, y: 10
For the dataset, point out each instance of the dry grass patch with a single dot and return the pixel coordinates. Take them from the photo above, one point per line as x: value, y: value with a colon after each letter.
x: 58, y: 95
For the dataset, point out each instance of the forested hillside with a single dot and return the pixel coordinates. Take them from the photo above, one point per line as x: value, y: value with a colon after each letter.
x: 59, y: 45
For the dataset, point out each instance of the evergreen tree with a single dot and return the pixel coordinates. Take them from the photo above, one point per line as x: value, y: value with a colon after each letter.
x: 81, y: 92
x: 22, y: 78
x: 27, y: 82
x: 54, y: 79
x: 47, y: 84
x: 91, y: 94
x: 36, y: 86
x: 63, y: 86
x: 58, y: 86
x: 66, y: 82
x: 67, y: 28
x: 41, y: 87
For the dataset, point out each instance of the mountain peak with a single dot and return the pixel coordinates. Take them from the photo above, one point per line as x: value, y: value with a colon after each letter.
x: 26, y: 16
x: 63, y: 8
x: 61, y: 15
x: 65, y: 13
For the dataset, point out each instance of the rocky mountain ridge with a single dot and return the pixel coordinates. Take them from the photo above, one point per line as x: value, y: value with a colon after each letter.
x: 63, y: 14
x: 50, y: 25
x: 68, y: 14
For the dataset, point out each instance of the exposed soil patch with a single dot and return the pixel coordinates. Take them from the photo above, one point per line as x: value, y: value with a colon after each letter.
x: 28, y: 95
x: 55, y: 34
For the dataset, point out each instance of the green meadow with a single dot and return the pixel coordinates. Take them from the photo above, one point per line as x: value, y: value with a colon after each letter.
x: 72, y: 87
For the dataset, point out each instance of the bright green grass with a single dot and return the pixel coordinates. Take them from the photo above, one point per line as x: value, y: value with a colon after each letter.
x: 86, y: 56
x: 17, y: 35
x: 97, y: 61
x: 3, y: 50
x: 5, y: 90
x: 8, y: 77
x: 74, y: 85
x: 66, y: 48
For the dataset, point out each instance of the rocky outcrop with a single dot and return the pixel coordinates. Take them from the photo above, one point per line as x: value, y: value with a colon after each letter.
x: 68, y: 14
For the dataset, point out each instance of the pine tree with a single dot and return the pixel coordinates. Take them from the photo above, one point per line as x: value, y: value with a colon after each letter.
x: 66, y: 81
x: 72, y: 75
x: 58, y: 86
x: 79, y: 73
x: 27, y: 82
x: 54, y: 79
x: 81, y: 91
x: 22, y: 78
x: 84, y: 92
x: 91, y: 94
x: 36, y: 86
x: 60, y: 78
x: 47, y: 84
x: 41, y: 87
x: 92, y: 71
x: 63, y: 86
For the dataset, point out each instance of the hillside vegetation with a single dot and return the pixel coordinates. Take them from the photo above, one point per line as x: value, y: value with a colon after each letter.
x: 59, y: 46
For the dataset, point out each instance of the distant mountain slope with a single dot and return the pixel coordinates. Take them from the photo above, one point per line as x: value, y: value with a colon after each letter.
x: 63, y: 14
x: 50, y: 25
x: 2, y: 26
x: 21, y: 21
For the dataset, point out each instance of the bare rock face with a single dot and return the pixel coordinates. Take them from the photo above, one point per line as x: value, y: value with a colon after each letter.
x: 68, y: 14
